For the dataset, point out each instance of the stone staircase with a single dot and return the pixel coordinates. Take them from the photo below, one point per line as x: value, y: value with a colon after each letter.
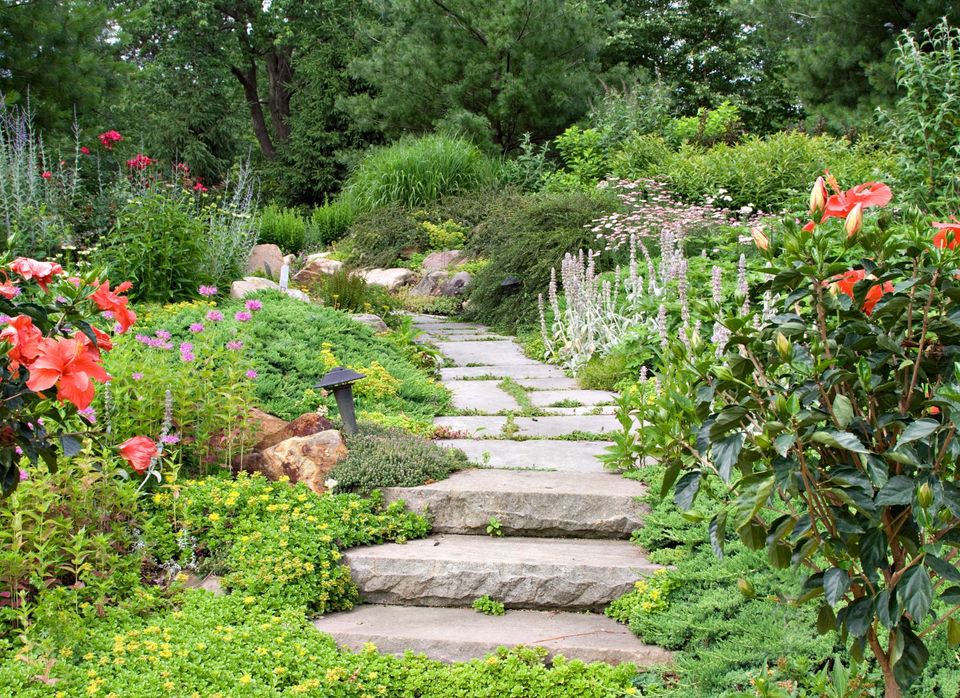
x: 561, y: 553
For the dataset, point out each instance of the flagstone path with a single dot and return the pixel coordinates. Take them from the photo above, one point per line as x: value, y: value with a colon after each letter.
x: 560, y: 554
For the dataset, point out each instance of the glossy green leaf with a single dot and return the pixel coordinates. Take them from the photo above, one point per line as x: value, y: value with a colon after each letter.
x: 897, y: 491
x: 859, y: 616
x: 839, y: 439
x: 843, y: 411
x: 836, y: 582
x: 686, y: 490
x: 915, y: 592
x: 725, y: 454
x: 918, y: 430
x: 826, y: 620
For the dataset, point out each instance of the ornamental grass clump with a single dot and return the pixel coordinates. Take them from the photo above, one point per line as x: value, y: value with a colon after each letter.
x: 827, y: 432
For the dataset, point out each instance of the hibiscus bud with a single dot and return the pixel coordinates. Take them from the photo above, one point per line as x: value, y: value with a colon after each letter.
x: 818, y: 196
x: 760, y: 239
x: 854, y: 221
x: 746, y: 588
x: 925, y: 495
x: 784, y: 347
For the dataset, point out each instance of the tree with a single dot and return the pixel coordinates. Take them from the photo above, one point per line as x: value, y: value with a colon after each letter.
x: 708, y: 53
x: 493, y: 70
x: 840, y: 50
x: 56, y: 56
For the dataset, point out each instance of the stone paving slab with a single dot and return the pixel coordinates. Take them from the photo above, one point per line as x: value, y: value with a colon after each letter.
x: 448, y: 326
x: 563, y: 425
x: 529, y: 503
x: 462, y: 634
x: 463, y: 337
x: 587, y: 410
x: 515, y: 371
x: 534, y: 384
x: 484, y: 353
x: 565, y: 456
x: 474, y: 425
x: 484, y: 396
x: 545, y: 398
x: 535, y: 573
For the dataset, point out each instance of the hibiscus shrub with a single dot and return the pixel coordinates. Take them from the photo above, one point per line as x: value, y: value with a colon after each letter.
x: 49, y: 342
x: 827, y: 432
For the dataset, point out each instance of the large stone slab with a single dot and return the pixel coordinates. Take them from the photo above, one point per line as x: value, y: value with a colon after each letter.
x: 483, y: 396
x: 537, y: 573
x: 548, y: 383
x: 529, y: 503
x: 390, y: 279
x: 545, y: 398
x: 439, y: 324
x: 555, y: 426
x: 484, y: 353
x: 473, y: 425
x: 588, y: 409
x: 461, y: 634
x: 566, y: 456
x: 515, y: 371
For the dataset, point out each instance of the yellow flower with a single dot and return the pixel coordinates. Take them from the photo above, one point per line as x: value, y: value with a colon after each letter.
x: 248, y: 600
x: 214, y: 516
x: 245, y: 679
x: 279, y: 670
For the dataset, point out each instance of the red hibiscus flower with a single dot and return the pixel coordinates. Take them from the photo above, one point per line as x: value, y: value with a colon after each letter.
x: 844, y: 283
x: 808, y: 228
x: 115, y: 303
x: 869, y: 194
x: 25, y: 339
x: 67, y: 364
x: 42, y: 272
x: 9, y: 290
x: 139, y: 452
x: 104, y: 342
x: 948, y: 235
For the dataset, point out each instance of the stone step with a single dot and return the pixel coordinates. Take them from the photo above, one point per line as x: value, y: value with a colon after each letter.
x: 535, y: 384
x: 533, y: 454
x: 534, y: 573
x: 547, y: 398
x: 515, y: 371
x: 550, y: 426
x: 493, y: 353
x: 585, y: 410
x: 483, y: 396
x: 529, y: 503
x: 462, y: 634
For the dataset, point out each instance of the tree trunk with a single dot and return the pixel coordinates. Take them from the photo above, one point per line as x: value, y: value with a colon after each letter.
x: 248, y: 78
x: 890, y: 687
x: 279, y: 79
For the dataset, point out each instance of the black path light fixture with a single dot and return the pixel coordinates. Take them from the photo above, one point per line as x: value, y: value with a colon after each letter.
x: 340, y: 380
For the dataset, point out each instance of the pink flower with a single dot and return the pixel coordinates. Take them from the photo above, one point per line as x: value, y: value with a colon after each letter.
x: 234, y: 346
x: 46, y: 174
x: 208, y: 290
x: 254, y: 305
x: 197, y: 327
x: 163, y: 334
x: 140, y: 162
x: 85, y: 150
x: 214, y: 316
x: 137, y: 376
x: 242, y: 316
x: 199, y: 187
x: 108, y: 138
x: 170, y: 439
x: 24, y: 475
x: 251, y: 374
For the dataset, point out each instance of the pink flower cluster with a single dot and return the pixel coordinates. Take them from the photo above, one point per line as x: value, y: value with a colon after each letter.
x: 139, y: 163
x: 108, y: 138
x: 160, y: 341
x: 208, y: 291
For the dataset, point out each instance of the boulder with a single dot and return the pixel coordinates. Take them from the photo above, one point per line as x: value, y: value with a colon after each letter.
x: 430, y: 284
x: 265, y: 259
x: 252, y: 284
x: 441, y: 261
x: 306, y: 459
x: 390, y: 279
x: 374, y: 322
x: 263, y: 423
x: 304, y: 425
x: 455, y: 285
x: 316, y: 268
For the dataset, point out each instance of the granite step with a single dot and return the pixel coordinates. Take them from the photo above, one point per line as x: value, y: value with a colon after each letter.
x: 462, y: 634
x: 516, y: 371
x: 549, y: 426
x: 533, y: 454
x: 531, y: 573
x: 529, y: 503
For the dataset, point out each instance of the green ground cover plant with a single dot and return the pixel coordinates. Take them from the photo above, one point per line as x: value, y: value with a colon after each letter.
x: 381, y: 457
x: 284, y: 227
x: 291, y: 345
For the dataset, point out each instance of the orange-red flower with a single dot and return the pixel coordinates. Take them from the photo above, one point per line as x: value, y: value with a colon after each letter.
x: 808, y: 228
x: 9, y: 290
x: 844, y: 283
x: 115, y: 303
x: 42, y: 272
x: 139, y: 451
x: 25, y: 339
x: 869, y: 194
x: 104, y: 342
x: 948, y: 235
x: 69, y: 365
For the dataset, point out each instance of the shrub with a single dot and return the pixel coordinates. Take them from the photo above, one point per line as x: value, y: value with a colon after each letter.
x: 73, y: 529
x: 327, y: 224
x: 415, y: 172
x: 924, y: 122
x: 283, y: 227
x: 391, y: 458
x: 344, y: 290
x: 525, y: 237
x: 445, y: 236
x: 639, y: 156
x: 276, y: 542
x: 770, y: 173
x: 159, y: 244
x: 709, y: 126
x: 584, y: 154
